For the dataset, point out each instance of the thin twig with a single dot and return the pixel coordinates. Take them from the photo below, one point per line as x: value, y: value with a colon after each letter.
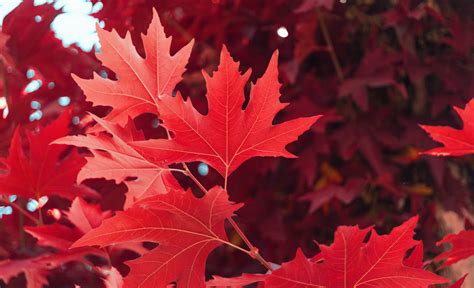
x: 240, y: 232
x: 253, y: 250
x: 332, y: 52
x: 188, y: 172
x: 176, y: 170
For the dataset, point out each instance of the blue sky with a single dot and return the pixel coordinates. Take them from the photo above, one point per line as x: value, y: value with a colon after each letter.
x: 75, y: 25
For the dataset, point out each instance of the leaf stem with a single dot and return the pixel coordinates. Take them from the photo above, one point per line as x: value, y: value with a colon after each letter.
x: 253, y: 252
x: 188, y: 172
x: 225, y: 181
x: 176, y: 170
x: 240, y: 232
x: 327, y: 39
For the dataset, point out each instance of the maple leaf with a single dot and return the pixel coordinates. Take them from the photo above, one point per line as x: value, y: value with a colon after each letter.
x: 86, y: 216
x: 344, y: 193
x: 36, y: 269
x: 227, y: 136
x: 115, y: 160
x: 140, y: 81
x: 35, y: 275
x: 290, y: 274
x: 459, y: 283
x: 372, y: 72
x: 83, y: 215
x: 457, y: 142
x: 462, y: 247
x: 350, y: 262
x: 113, y: 278
x: 382, y: 262
x: 54, y: 235
x: 186, y: 228
x: 415, y: 259
x: 43, y: 171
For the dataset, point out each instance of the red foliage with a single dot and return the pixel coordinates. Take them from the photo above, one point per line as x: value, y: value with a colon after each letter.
x: 456, y: 142
x: 226, y: 136
x: 185, y: 84
x: 462, y: 247
x: 186, y: 228
x: 42, y: 172
x: 353, y: 262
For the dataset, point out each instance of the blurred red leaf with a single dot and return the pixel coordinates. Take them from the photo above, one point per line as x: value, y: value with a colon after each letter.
x: 462, y: 247
x: 43, y: 170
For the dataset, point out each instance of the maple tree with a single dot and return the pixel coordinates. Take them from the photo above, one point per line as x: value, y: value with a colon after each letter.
x: 219, y: 143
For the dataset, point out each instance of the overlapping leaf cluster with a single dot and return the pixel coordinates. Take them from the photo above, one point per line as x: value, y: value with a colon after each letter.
x: 373, y: 70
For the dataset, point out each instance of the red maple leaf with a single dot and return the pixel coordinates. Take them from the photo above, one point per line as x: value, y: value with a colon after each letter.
x: 140, y: 81
x: 35, y: 275
x: 462, y: 247
x: 415, y: 259
x: 456, y: 142
x: 345, y: 193
x: 115, y: 160
x: 227, y: 136
x: 379, y: 262
x: 186, y: 228
x: 352, y: 262
x: 113, y: 278
x: 82, y: 215
x: 37, y: 269
x: 459, y: 283
x: 86, y: 216
x: 54, y: 235
x: 372, y: 72
x: 42, y: 171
